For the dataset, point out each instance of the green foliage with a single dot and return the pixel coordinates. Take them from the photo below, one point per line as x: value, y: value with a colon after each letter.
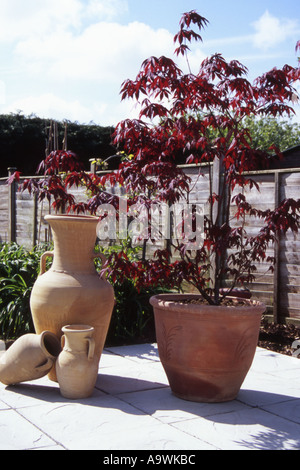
x: 270, y: 131
x: 266, y: 132
x: 19, y: 269
x: 23, y: 140
x: 132, y: 319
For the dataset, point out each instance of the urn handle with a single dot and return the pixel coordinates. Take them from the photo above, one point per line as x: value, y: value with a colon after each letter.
x: 91, y: 348
x: 62, y: 341
x: 45, y: 366
x: 43, y: 259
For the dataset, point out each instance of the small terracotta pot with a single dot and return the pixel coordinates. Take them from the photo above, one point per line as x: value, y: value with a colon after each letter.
x: 206, y: 350
x: 30, y: 357
x: 77, y: 364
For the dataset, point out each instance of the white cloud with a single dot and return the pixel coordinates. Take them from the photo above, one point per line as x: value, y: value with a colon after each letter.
x: 105, y: 9
x: 52, y: 106
x: 37, y: 19
x: 68, y: 58
x: 19, y: 19
x: 271, y: 31
x: 2, y: 92
x: 103, y: 51
x: 49, y: 105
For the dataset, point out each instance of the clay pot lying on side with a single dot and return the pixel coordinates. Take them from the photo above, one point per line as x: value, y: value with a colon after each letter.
x: 30, y: 357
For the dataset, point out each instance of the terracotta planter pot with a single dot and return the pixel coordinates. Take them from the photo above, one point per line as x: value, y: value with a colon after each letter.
x: 71, y: 291
x: 29, y: 357
x: 206, y: 350
x: 77, y: 364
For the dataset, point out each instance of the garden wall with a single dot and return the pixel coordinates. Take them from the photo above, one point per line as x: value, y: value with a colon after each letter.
x: 22, y: 220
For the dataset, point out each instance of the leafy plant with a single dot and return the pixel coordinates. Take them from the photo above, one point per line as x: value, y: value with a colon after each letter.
x: 202, y: 117
x: 19, y: 269
x: 266, y: 132
x: 132, y: 318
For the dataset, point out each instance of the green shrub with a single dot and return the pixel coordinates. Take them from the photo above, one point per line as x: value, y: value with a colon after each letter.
x: 19, y: 269
x: 132, y: 319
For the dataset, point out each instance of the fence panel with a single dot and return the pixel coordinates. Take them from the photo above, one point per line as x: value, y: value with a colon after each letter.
x: 22, y: 220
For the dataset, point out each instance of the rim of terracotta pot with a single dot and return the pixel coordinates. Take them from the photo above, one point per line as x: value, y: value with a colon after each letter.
x: 78, y: 328
x: 73, y: 217
x: 172, y: 302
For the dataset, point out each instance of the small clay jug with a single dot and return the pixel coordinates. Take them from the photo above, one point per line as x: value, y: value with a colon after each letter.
x: 77, y: 364
x: 30, y: 357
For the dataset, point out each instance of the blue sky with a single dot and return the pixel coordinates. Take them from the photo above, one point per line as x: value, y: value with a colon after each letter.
x: 66, y: 59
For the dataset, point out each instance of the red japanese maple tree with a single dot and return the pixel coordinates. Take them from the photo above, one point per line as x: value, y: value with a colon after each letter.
x: 199, y: 117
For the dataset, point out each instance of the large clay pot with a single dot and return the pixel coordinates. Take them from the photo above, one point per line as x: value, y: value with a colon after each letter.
x: 30, y: 357
x: 206, y: 350
x: 77, y: 364
x: 71, y: 291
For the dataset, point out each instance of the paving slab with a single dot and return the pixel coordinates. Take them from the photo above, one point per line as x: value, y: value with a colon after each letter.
x: 133, y: 409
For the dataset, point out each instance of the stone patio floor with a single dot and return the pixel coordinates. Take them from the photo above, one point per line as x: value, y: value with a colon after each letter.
x: 132, y: 408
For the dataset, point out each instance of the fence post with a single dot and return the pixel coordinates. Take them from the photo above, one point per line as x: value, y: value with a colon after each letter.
x: 92, y: 165
x: 34, y: 220
x: 12, y: 189
x: 217, y: 217
x: 276, y: 281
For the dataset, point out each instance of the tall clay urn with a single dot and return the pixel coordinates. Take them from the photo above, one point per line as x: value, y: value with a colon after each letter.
x: 71, y: 291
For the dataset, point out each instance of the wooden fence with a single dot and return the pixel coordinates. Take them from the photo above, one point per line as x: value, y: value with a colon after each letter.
x: 22, y: 220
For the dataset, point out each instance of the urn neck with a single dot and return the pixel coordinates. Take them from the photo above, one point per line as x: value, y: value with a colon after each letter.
x: 74, y: 240
x: 77, y: 338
